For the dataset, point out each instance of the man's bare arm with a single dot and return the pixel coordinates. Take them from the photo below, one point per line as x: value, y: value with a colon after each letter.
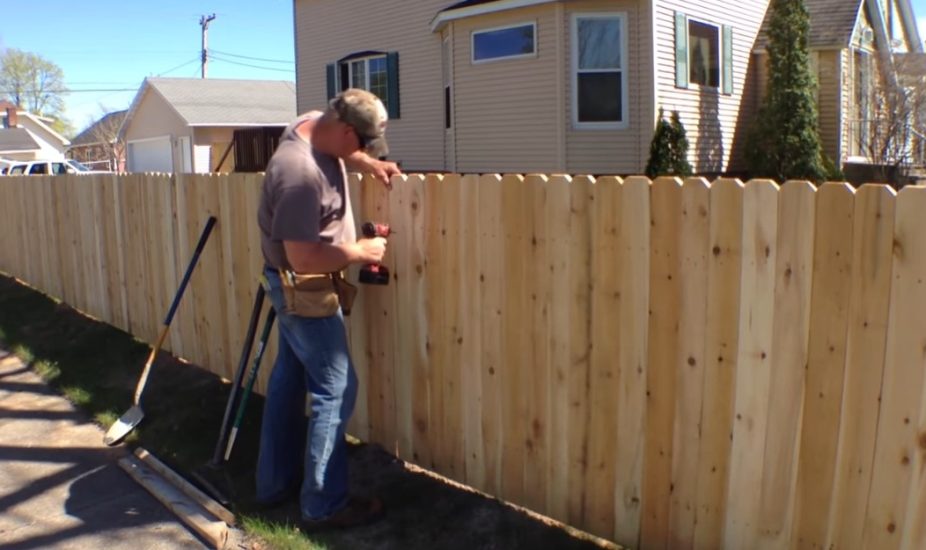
x: 382, y: 170
x: 318, y: 257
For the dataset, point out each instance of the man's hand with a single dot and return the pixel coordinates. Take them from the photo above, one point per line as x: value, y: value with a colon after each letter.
x: 380, y: 169
x: 372, y: 250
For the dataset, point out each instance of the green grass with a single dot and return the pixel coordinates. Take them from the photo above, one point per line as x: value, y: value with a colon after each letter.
x: 281, y: 536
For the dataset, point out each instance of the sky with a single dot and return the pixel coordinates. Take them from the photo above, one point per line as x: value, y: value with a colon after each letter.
x: 111, y: 45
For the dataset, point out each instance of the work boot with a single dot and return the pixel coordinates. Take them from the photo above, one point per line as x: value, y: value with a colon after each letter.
x: 357, y: 512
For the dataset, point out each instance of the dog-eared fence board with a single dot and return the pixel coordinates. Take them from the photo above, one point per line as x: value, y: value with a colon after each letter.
x: 793, y: 278
x: 826, y: 362
x: 865, y: 355
x: 531, y: 342
x: 900, y: 452
x: 694, y: 237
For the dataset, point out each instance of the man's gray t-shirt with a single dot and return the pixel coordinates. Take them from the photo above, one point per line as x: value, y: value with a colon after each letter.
x: 304, y: 198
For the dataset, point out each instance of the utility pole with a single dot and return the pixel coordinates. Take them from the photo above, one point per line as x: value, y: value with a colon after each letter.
x: 204, y: 23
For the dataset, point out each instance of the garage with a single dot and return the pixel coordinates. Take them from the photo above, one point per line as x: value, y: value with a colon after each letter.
x: 150, y: 155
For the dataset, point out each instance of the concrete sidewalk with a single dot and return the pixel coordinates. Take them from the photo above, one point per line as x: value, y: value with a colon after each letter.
x: 60, y: 486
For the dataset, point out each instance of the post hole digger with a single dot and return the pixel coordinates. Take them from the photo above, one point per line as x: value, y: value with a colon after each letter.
x: 133, y: 417
x: 212, y: 476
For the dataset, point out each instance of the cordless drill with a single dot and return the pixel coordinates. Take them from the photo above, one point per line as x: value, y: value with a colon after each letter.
x: 375, y: 274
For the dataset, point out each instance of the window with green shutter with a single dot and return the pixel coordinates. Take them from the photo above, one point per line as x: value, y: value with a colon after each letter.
x: 703, y: 54
x: 375, y: 72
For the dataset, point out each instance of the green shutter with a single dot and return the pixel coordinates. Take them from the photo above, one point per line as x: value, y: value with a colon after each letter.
x: 332, y: 80
x: 727, y: 60
x: 392, y: 69
x: 681, y: 50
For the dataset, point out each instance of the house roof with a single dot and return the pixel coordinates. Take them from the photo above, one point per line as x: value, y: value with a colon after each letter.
x: 90, y: 135
x: 17, y: 139
x: 831, y: 23
x: 469, y: 8
x: 226, y: 102
x: 467, y: 3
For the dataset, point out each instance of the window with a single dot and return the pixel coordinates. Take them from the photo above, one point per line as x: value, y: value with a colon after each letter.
x: 599, y: 81
x: 38, y: 168
x: 376, y: 72
x: 704, y: 54
x: 505, y: 42
x: 368, y: 73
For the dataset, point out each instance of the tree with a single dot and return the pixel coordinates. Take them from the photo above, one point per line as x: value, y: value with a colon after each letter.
x: 679, y: 140
x: 668, y: 154
x: 785, y: 142
x: 33, y: 83
x: 891, y: 136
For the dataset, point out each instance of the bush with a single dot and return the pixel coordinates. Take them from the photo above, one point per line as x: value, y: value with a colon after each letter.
x: 668, y: 153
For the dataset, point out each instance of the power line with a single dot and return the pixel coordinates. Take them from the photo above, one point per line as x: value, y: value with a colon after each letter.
x: 289, y: 61
x: 249, y: 65
x: 178, y: 67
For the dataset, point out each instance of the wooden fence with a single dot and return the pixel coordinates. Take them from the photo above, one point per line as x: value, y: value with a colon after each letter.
x: 667, y: 365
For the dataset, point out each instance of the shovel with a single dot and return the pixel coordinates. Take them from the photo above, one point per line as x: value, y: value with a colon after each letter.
x: 133, y: 417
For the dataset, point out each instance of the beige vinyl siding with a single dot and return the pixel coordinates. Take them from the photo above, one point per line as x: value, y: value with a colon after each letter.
x: 327, y: 30
x: 711, y: 118
x: 829, y: 100
x: 154, y: 117
x: 623, y: 151
x: 846, y: 103
x: 506, y: 109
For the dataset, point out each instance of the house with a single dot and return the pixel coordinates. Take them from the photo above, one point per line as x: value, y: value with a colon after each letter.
x: 98, y: 146
x: 26, y: 136
x: 857, y: 50
x: 911, y: 72
x: 560, y: 86
x: 203, y: 125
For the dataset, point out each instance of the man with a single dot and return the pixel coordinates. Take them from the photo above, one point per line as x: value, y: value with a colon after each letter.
x: 307, y: 226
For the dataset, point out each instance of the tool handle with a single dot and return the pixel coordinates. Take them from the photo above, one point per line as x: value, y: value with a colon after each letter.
x: 252, y: 377
x: 239, y: 374
x: 207, y: 230
x: 144, y: 374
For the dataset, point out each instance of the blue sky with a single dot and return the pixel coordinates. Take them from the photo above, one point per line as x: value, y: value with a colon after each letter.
x: 919, y: 6
x: 110, y: 45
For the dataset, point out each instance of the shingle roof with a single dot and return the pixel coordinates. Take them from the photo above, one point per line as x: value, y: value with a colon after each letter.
x: 90, y: 135
x: 831, y: 23
x: 215, y: 101
x: 467, y: 3
x: 17, y: 139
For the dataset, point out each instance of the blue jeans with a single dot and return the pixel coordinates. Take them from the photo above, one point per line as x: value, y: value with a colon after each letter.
x: 313, y: 359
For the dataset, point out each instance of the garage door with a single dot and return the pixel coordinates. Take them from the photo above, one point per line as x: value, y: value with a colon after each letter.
x: 150, y: 155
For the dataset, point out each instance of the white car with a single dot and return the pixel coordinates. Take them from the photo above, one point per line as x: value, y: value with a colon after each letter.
x: 53, y: 167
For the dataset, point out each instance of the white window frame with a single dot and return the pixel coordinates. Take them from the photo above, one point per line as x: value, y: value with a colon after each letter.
x: 694, y: 85
x: 624, y: 123
x: 366, y: 70
x: 472, y: 43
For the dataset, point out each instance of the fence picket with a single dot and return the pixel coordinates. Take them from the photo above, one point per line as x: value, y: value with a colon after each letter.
x: 694, y: 239
x: 900, y: 455
x: 793, y: 273
x: 721, y: 348
x: 825, y: 362
x: 752, y: 375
